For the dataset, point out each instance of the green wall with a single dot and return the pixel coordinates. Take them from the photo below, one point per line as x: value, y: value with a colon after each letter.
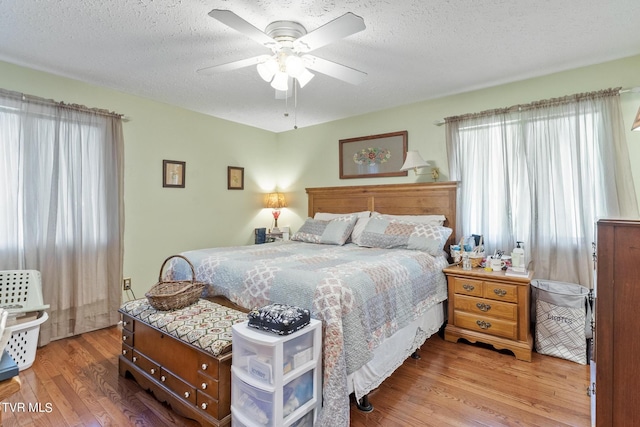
x: 160, y: 222
x: 163, y: 221
x: 311, y: 154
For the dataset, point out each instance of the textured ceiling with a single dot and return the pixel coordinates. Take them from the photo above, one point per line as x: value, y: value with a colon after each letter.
x: 412, y: 50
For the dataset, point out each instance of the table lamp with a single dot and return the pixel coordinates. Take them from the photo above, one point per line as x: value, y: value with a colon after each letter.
x: 275, y: 201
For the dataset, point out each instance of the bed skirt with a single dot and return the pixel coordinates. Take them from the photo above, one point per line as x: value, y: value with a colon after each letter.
x: 393, y: 351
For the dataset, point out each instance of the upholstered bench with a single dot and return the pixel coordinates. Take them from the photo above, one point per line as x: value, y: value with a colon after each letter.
x: 182, y: 356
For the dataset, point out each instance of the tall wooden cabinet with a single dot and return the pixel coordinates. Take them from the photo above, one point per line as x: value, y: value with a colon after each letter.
x: 616, y: 356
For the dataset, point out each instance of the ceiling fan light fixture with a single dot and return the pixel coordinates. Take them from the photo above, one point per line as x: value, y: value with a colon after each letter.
x: 267, y: 69
x: 264, y: 72
x: 304, y: 77
x: 280, y: 81
x: 294, y: 65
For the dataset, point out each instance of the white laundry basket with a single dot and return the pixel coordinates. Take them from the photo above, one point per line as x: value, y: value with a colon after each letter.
x: 21, y: 297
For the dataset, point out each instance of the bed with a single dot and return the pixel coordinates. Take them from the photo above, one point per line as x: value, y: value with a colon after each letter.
x: 377, y: 304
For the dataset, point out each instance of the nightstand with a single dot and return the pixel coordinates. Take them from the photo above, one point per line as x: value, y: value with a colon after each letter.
x: 490, y: 307
x: 272, y: 237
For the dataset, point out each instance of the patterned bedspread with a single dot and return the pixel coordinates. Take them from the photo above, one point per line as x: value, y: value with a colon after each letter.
x: 362, y: 295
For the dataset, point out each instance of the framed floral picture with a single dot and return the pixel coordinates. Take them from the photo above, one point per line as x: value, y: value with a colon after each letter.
x: 373, y: 156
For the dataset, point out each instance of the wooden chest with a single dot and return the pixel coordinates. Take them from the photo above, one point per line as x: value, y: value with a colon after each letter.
x: 195, y: 383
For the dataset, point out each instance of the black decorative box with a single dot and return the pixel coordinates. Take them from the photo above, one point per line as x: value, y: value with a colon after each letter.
x: 280, y: 319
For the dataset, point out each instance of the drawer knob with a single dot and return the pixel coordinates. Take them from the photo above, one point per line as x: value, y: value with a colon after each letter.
x: 125, y: 323
x: 483, y: 307
x: 163, y: 378
x: 152, y: 370
x: 204, y: 366
x: 135, y: 359
x: 124, y: 352
x: 468, y: 287
x: 187, y: 394
x: 482, y: 324
x: 124, y: 338
x: 500, y: 292
x: 203, y: 406
x: 204, y: 386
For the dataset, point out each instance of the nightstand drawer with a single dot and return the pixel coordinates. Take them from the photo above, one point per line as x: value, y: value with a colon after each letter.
x: 501, y: 291
x: 487, y: 325
x: 488, y: 308
x: 467, y: 286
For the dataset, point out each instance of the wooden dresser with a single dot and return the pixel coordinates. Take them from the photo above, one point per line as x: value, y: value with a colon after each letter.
x: 616, y: 344
x: 489, y: 307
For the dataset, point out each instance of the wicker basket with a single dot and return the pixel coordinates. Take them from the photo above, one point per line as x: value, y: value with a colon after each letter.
x: 173, y: 294
x: 474, y: 258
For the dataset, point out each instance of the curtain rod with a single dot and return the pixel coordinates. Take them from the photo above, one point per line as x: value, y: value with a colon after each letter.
x: 635, y: 89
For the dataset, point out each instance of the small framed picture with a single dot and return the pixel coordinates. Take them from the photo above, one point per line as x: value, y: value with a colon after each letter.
x: 173, y: 173
x: 235, y: 178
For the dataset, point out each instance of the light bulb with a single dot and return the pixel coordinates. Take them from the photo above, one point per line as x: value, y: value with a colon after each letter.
x: 294, y: 65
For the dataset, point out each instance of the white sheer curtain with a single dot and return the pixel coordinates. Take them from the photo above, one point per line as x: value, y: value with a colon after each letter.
x: 61, y: 189
x: 543, y: 173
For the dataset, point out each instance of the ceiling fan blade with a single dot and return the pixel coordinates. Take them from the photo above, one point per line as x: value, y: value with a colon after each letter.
x: 337, y: 29
x: 232, y: 20
x: 333, y: 69
x: 229, y: 66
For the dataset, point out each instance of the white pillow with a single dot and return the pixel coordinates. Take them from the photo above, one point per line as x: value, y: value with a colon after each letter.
x: 325, y: 216
x: 356, y: 234
x: 421, y: 219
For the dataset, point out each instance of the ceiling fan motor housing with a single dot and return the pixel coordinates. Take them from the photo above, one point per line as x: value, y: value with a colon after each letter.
x: 285, y: 31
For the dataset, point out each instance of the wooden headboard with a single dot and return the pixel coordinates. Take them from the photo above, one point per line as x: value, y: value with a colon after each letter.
x: 433, y: 198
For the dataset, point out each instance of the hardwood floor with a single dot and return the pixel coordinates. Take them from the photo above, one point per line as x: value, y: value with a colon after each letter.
x: 75, y: 382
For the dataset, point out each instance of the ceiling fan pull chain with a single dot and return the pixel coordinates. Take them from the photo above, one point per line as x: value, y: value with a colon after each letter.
x: 295, y: 105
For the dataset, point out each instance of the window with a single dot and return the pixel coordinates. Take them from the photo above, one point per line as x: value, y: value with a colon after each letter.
x: 61, y: 192
x: 543, y: 174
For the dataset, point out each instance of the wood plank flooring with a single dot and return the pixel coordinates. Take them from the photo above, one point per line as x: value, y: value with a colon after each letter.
x: 75, y: 382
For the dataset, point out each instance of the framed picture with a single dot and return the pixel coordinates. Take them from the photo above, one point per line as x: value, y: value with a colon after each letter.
x: 235, y: 178
x: 173, y: 173
x: 373, y: 156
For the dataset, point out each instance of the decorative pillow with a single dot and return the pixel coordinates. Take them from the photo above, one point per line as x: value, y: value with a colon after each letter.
x: 332, y: 232
x: 423, y: 219
x: 389, y: 234
x: 363, y: 218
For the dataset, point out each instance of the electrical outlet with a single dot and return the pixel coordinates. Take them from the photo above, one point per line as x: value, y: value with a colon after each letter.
x: 126, y: 284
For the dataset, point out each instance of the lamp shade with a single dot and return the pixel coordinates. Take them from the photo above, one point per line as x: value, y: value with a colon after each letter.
x: 275, y: 201
x: 280, y: 81
x: 636, y: 123
x: 267, y: 69
x: 413, y: 161
x: 304, y: 77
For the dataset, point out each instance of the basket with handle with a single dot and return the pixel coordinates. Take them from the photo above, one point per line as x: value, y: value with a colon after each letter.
x: 173, y: 294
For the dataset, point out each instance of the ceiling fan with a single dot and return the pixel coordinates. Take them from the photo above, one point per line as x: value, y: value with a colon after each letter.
x: 290, y: 45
